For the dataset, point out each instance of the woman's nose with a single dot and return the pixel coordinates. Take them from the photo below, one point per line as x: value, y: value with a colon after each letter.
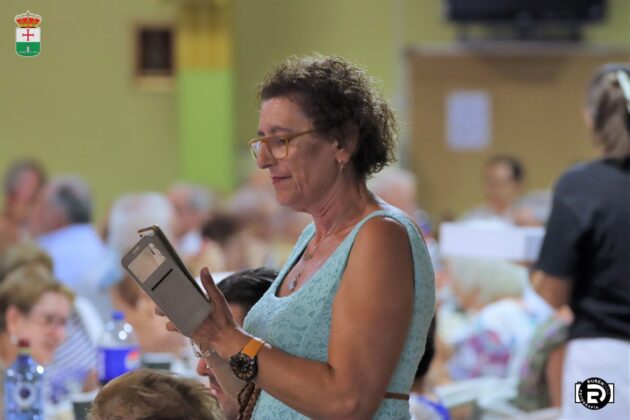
x: 264, y: 159
x: 202, y: 368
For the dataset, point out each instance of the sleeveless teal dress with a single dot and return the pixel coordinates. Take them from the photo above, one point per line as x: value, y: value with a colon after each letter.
x: 299, y: 324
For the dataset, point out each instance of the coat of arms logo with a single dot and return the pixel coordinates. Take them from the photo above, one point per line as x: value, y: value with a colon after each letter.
x: 28, y: 35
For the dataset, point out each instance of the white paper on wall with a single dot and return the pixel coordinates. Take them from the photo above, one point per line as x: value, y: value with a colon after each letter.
x: 468, y: 120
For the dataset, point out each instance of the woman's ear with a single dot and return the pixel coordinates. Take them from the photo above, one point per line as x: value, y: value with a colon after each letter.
x: 350, y: 144
x: 14, y: 319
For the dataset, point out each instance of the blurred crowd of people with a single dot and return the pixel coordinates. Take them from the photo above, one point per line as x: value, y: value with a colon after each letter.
x: 60, y: 273
x: 487, y: 312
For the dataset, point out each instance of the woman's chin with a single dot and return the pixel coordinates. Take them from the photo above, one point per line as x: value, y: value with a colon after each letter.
x: 43, y: 358
x: 283, y: 199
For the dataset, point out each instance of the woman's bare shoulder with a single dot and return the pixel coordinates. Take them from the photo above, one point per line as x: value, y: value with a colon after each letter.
x: 383, y: 235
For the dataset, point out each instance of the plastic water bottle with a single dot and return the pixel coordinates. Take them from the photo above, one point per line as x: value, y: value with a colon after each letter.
x: 23, y: 384
x: 118, y: 349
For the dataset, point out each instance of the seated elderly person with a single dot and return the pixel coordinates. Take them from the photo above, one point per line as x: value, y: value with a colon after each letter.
x: 193, y: 205
x: 151, y: 394
x: 26, y: 253
x: 35, y: 307
x: 73, y: 365
x: 503, y: 180
x: 501, y: 314
x: 241, y: 290
x: 128, y: 214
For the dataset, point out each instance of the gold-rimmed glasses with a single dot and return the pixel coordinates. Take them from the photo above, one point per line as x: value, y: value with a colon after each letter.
x: 277, y: 145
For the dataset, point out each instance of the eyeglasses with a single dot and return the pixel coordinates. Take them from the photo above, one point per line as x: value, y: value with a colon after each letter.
x: 277, y: 146
x: 205, y: 355
x: 48, y: 320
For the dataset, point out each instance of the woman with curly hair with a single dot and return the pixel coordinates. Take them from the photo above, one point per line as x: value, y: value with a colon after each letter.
x: 340, y: 332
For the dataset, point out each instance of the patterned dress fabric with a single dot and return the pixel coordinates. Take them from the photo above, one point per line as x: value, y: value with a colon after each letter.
x: 299, y: 324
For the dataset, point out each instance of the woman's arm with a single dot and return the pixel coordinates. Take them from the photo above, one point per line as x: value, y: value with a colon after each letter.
x: 371, y: 316
x: 555, y: 290
x: 553, y: 373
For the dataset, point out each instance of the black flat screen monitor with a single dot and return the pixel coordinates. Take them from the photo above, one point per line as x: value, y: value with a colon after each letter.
x: 506, y: 11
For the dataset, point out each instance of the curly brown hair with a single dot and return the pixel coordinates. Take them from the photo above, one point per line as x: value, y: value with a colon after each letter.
x: 338, y: 96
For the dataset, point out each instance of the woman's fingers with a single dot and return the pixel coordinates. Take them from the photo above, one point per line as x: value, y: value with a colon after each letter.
x: 159, y: 312
x: 215, y: 295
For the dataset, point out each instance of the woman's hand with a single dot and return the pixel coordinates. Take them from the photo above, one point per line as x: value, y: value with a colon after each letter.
x: 218, y: 331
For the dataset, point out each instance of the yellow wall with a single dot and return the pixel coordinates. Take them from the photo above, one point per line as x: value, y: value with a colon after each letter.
x: 77, y: 109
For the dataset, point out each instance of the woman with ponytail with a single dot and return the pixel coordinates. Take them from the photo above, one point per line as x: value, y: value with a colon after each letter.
x: 585, y: 258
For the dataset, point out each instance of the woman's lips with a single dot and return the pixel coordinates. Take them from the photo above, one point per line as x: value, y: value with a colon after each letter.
x: 215, y: 388
x: 277, y: 179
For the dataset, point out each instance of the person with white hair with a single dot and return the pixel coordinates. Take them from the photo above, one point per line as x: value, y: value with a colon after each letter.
x: 503, y: 314
x: 128, y: 214
x: 193, y: 205
x: 135, y: 211
x: 399, y: 187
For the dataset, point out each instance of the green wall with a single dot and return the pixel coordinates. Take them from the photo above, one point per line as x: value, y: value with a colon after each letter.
x: 206, y: 122
x: 77, y: 108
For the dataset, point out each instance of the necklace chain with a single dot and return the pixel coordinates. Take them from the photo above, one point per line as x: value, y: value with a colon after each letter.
x: 307, y: 256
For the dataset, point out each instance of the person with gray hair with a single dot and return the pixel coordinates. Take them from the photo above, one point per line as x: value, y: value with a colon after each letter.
x: 399, y: 187
x: 193, y: 205
x: 502, y: 314
x: 62, y: 220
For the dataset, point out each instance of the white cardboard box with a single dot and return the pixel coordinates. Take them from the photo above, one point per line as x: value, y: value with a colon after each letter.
x: 465, y: 239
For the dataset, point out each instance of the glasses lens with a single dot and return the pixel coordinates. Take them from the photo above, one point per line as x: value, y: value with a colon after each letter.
x: 254, y: 148
x: 277, y: 147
